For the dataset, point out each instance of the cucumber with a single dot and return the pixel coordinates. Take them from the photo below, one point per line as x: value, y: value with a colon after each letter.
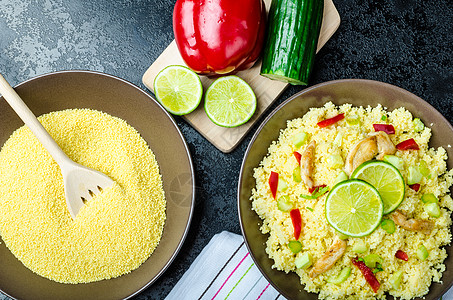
x: 359, y: 247
x: 344, y: 274
x: 284, y: 203
x: 304, y: 261
x: 422, y: 252
x: 292, y: 40
x: 295, y: 246
x: 432, y: 209
x: 395, y: 279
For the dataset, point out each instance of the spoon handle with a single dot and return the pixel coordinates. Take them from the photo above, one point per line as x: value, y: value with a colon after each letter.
x: 22, y: 110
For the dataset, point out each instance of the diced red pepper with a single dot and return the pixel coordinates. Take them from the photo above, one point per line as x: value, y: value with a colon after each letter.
x: 387, y: 128
x: 415, y: 186
x: 273, y: 183
x: 316, y: 188
x: 298, y: 156
x: 409, y: 144
x: 297, y: 222
x: 368, y: 274
x: 330, y: 121
x: 401, y: 255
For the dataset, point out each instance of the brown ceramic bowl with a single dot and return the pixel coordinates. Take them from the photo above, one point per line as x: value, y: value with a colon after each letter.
x: 85, y: 89
x: 356, y: 92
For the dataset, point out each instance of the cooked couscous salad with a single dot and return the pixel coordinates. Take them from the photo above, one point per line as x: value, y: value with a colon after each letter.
x: 356, y: 203
x: 114, y: 233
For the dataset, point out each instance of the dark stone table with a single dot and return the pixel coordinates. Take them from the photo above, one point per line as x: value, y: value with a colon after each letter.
x: 407, y: 43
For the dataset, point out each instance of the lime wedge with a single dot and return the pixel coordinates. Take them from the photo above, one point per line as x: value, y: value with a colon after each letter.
x: 386, y: 178
x: 229, y: 101
x: 354, y: 208
x: 178, y: 89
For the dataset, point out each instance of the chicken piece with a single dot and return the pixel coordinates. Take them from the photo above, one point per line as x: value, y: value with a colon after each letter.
x: 384, y: 144
x: 363, y: 151
x: 423, y: 226
x: 334, y: 253
x: 306, y: 164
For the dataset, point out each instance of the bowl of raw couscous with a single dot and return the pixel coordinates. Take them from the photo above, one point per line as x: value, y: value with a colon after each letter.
x: 104, y: 122
x: 296, y: 231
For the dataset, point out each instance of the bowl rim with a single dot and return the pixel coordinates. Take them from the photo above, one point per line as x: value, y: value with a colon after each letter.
x: 266, y: 120
x: 187, y: 151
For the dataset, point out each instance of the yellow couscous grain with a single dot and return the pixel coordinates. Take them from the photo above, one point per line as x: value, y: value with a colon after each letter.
x: 317, y: 235
x: 114, y: 233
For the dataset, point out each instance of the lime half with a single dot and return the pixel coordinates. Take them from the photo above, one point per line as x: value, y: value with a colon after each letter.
x: 386, y: 179
x: 230, y: 101
x: 354, y: 208
x: 178, y: 89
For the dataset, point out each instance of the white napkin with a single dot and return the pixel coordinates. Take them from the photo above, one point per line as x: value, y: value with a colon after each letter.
x: 225, y: 270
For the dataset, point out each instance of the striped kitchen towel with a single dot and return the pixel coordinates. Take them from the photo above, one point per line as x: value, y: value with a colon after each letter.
x: 224, y: 270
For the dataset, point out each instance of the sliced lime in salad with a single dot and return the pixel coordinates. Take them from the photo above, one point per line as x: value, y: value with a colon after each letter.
x: 354, y: 208
x: 386, y: 178
x: 230, y: 101
x: 178, y: 89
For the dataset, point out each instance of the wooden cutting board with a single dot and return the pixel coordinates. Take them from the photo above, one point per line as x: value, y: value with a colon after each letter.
x: 266, y: 90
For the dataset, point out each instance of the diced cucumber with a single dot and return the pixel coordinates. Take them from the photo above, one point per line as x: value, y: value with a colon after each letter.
x: 341, y: 177
x: 299, y: 139
x: 423, y: 167
x: 284, y: 203
x: 395, y: 279
x: 335, y: 161
x: 338, y: 139
x: 353, y: 120
x: 432, y: 209
x: 414, y: 176
x: 418, y: 125
x: 422, y: 252
x: 396, y: 161
x: 296, y: 174
x: 282, y: 185
x: 429, y: 198
x: 344, y: 274
x: 388, y: 225
x: 304, y: 261
x: 371, y: 260
x: 359, y: 247
x: 295, y: 246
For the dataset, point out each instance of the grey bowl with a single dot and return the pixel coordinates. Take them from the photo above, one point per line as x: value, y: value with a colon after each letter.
x: 359, y: 93
x: 117, y: 97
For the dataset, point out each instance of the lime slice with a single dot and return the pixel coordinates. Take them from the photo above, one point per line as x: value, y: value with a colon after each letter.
x: 354, y: 208
x: 386, y: 178
x: 229, y: 101
x: 178, y: 89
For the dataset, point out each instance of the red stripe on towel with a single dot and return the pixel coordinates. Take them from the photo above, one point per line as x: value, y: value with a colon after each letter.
x: 263, y: 291
x: 230, y: 276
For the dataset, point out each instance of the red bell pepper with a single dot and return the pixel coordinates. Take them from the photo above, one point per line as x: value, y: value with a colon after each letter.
x: 273, y: 183
x: 387, y: 128
x: 415, y: 186
x: 368, y: 274
x: 330, y: 121
x: 409, y: 144
x: 401, y: 255
x: 219, y: 36
x: 298, y: 156
x: 297, y: 222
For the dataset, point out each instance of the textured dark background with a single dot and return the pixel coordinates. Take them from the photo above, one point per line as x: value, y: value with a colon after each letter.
x: 407, y: 43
